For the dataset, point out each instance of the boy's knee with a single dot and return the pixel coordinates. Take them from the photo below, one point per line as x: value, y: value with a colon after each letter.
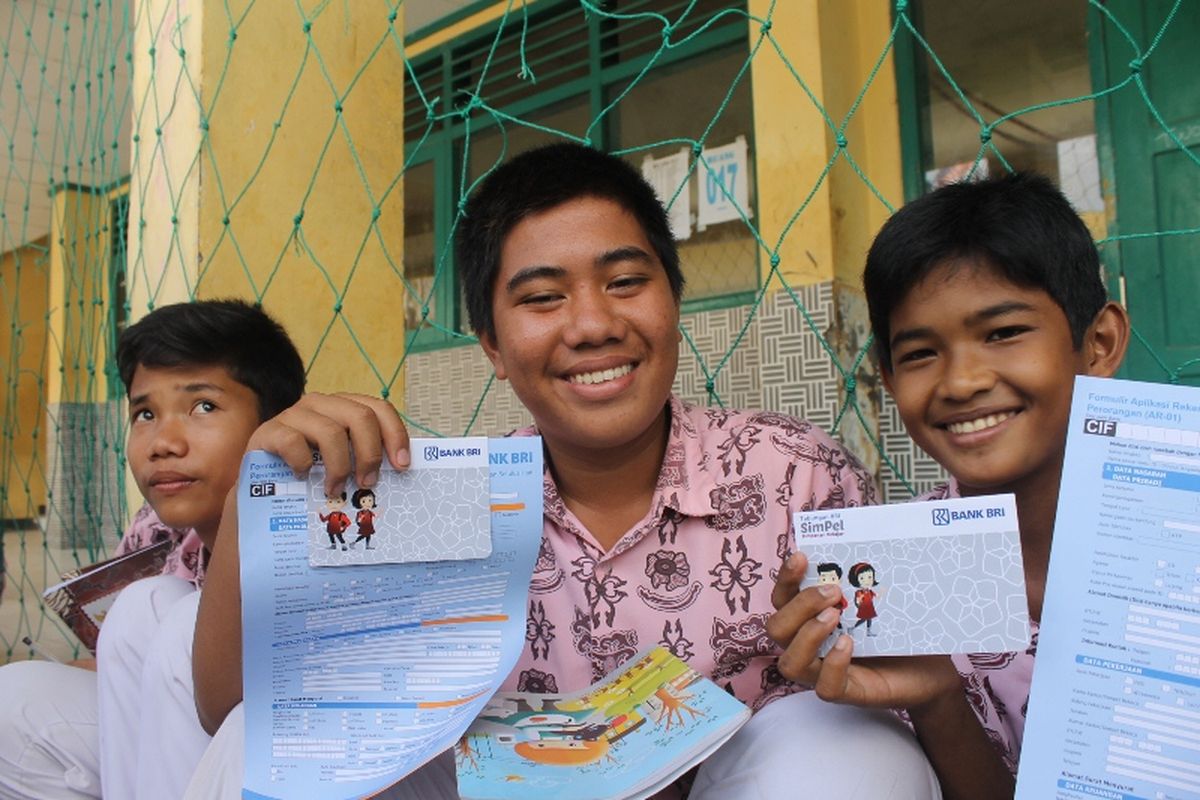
x: 136, y: 614
x: 40, y: 695
x: 861, y: 753
x: 169, y: 654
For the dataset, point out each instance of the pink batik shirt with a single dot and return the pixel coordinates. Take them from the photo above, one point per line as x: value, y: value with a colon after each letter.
x: 695, y: 574
x: 186, y: 559
x: 997, y: 684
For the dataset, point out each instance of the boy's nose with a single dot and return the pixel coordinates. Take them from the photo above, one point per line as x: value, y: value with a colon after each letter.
x: 594, y: 321
x: 965, y: 377
x: 169, y: 439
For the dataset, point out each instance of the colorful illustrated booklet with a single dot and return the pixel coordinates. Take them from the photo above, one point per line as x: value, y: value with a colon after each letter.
x: 1114, y: 710
x: 626, y: 737
x: 356, y: 675
x: 85, y: 595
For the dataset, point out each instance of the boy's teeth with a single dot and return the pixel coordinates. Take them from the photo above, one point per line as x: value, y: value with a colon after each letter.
x: 982, y: 423
x: 600, y: 376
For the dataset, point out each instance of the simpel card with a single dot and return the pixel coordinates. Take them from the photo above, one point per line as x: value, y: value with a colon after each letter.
x: 437, y: 510
x: 935, y: 577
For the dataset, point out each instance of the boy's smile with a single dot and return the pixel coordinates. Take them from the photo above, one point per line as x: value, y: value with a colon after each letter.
x: 586, y: 325
x: 188, y: 428
x: 982, y: 373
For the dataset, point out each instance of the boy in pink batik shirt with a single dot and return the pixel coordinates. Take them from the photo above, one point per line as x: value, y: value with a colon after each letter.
x: 664, y: 523
x: 985, y: 300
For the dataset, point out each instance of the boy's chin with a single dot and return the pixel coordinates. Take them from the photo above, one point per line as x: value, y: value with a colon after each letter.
x: 180, y: 516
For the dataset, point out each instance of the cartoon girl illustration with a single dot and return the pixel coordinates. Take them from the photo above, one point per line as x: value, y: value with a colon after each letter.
x: 364, y: 501
x: 862, y: 577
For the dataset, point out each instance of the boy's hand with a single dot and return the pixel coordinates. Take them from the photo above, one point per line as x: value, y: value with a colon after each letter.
x: 804, y: 618
x: 336, y: 425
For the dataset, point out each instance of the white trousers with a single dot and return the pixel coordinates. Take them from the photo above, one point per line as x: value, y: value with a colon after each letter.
x: 796, y: 746
x: 48, y: 734
x: 150, y: 736
x: 800, y: 745
x: 62, y: 728
x: 220, y: 773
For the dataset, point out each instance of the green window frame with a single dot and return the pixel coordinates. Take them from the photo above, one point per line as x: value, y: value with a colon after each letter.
x: 566, y: 69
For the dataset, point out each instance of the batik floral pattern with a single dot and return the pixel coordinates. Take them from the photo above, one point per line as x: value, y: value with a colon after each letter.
x: 735, y: 574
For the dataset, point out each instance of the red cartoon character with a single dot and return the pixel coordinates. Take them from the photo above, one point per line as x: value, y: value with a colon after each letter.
x: 862, y: 577
x: 364, y: 501
x: 831, y: 573
x: 336, y: 521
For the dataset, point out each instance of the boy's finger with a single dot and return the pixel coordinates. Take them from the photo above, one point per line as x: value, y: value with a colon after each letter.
x: 791, y: 574
x: 799, y: 661
x: 361, y: 425
x: 276, y: 436
x: 392, y: 430
x: 834, y: 680
x: 803, y: 607
x: 327, y: 434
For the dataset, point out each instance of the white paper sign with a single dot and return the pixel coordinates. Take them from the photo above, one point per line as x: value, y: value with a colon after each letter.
x: 724, y: 187
x: 666, y: 175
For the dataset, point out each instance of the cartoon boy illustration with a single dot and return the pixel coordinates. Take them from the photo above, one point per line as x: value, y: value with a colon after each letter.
x: 364, y: 501
x: 829, y: 572
x: 336, y: 521
x: 862, y: 577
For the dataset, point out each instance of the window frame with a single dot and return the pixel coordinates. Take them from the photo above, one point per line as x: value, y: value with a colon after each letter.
x: 441, y: 143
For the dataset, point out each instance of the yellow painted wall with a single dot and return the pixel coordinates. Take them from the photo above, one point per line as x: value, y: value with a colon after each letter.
x: 24, y: 291
x: 854, y: 35
x: 336, y: 277
x: 792, y: 148
x: 78, y: 312
x: 832, y: 46
x: 164, y: 173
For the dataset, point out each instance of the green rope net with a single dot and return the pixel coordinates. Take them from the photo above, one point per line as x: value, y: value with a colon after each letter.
x: 310, y: 157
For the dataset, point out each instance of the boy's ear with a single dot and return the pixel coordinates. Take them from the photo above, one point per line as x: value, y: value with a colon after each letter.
x: 1106, y: 340
x: 885, y: 375
x: 487, y: 341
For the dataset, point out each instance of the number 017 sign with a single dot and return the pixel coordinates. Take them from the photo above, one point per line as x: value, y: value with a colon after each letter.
x: 724, y: 184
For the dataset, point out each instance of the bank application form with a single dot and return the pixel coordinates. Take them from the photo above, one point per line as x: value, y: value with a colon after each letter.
x: 355, y: 676
x: 1115, y: 706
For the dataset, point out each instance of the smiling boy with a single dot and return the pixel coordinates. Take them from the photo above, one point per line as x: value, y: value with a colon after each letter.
x: 985, y: 301
x: 200, y: 378
x: 663, y: 522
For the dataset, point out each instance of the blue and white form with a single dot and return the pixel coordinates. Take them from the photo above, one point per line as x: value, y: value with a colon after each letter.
x: 936, y: 577
x: 1115, y: 706
x: 357, y: 675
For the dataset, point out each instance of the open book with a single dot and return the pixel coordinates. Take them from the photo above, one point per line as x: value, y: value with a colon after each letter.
x: 84, y: 595
x: 626, y: 737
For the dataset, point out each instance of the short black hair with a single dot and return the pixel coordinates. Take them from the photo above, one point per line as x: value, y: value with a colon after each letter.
x: 233, y: 334
x: 1019, y: 225
x: 538, y: 180
x: 829, y: 566
x: 359, y: 495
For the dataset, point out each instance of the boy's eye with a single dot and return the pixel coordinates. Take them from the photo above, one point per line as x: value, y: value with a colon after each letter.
x: 911, y: 356
x: 539, y: 299
x: 141, y: 415
x: 1007, y: 332
x: 628, y: 282
x: 205, y: 407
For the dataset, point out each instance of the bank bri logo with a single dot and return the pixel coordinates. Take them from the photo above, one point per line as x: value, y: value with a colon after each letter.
x: 941, y: 516
x: 431, y: 452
